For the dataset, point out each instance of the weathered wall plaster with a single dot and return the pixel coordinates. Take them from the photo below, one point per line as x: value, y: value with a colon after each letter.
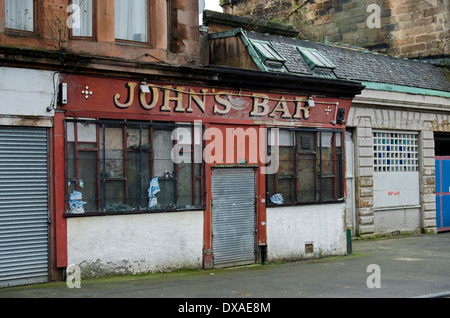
x: 289, y: 229
x: 133, y: 244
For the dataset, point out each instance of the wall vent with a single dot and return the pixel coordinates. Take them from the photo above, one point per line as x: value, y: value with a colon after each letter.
x: 309, y: 248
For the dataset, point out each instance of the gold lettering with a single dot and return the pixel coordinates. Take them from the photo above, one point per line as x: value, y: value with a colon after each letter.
x: 200, y: 102
x: 154, y: 93
x: 130, y: 100
x: 281, y: 107
x: 260, y: 100
x: 178, y: 99
x: 223, y: 102
x: 301, y: 108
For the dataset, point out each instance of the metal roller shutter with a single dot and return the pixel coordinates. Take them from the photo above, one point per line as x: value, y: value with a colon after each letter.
x: 233, y: 216
x: 24, y: 226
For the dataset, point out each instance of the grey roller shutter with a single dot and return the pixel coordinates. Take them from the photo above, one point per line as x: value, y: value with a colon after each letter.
x: 24, y: 229
x: 233, y: 216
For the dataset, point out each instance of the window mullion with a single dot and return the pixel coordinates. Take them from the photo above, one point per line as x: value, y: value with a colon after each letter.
x: 294, y: 167
x: 193, y: 165
x: 175, y: 175
x: 98, y: 167
x: 320, y: 166
x: 152, y: 153
x: 125, y: 162
x: 276, y: 178
x: 335, y: 166
x: 104, y: 168
x: 75, y: 146
x: 141, y: 199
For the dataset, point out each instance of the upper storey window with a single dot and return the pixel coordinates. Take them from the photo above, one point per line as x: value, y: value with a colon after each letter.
x: 273, y: 60
x: 131, y: 20
x: 318, y: 63
x: 82, y: 18
x: 19, y: 15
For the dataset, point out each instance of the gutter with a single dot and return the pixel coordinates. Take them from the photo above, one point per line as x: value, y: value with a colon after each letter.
x: 405, y: 89
x: 403, y: 101
x: 289, y: 82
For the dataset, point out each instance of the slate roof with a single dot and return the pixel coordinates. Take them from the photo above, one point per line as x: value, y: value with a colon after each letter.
x: 359, y: 64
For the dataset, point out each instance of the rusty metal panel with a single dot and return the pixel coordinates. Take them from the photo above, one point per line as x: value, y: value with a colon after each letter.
x: 24, y: 226
x: 233, y: 216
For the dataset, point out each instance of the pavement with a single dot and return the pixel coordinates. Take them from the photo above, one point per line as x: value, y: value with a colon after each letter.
x: 400, y: 267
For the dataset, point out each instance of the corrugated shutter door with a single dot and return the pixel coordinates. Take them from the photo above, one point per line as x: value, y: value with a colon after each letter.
x: 23, y: 206
x: 233, y: 216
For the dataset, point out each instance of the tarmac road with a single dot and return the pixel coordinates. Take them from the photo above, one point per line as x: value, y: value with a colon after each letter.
x: 403, y: 267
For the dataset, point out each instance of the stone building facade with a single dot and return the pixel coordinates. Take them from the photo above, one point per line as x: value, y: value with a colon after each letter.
x: 411, y: 29
x: 372, y: 113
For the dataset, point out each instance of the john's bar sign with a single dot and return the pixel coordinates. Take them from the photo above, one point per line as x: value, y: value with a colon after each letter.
x: 141, y: 98
x: 187, y: 100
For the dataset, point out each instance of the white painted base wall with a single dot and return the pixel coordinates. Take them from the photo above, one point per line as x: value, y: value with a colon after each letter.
x: 290, y: 228
x: 132, y: 244
x: 402, y: 219
x: 395, y: 189
x: 27, y: 92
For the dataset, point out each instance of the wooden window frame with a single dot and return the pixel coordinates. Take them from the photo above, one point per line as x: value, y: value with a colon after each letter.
x: 198, y: 199
x: 94, y: 25
x: 11, y: 31
x: 149, y: 29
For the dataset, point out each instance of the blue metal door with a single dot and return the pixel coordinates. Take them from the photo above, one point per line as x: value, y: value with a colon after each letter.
x: 443, y: 193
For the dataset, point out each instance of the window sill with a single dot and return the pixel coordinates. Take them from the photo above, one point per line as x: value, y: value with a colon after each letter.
x: 133, y: 43
x: 95, y: 214
x: 22, y: 33
x: 273, y: 205
x: 83, y: 38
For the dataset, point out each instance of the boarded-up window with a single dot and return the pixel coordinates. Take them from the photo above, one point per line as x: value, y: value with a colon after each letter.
x: 310, y: 167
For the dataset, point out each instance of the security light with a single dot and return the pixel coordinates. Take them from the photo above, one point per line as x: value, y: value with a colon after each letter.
x: 64, y: 93
x: 145, y: 88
